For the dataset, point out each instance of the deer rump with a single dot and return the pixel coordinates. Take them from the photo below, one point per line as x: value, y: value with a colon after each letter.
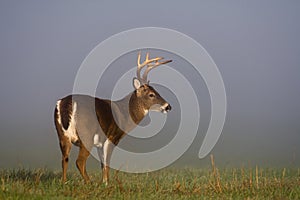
x: 88, y: 121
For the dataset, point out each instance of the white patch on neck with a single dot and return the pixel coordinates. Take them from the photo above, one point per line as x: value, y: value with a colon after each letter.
x: 146, y: 111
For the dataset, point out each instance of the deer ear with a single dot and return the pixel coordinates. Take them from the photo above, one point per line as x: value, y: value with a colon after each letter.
x: 136, y: 83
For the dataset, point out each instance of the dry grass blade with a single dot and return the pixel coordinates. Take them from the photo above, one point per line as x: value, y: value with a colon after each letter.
x: 215, y: 174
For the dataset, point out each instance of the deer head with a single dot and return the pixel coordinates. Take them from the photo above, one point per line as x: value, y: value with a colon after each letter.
x: 148, y: 97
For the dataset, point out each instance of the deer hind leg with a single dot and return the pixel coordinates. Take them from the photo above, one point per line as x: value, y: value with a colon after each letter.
x: 65, y: 146
x: 107, y: 151
x: 81, y: 162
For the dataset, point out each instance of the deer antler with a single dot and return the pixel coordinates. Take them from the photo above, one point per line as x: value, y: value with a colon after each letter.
x: 151, y: 64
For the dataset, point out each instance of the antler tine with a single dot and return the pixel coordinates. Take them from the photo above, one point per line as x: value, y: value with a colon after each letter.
x: 138, y: 71
x: 152, y: 66
x: 146, y: 62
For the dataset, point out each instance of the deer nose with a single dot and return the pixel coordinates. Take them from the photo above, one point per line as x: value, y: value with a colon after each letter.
x: 168, y: 108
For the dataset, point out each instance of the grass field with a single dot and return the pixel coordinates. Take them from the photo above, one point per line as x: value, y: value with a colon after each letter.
x: 169, y: 183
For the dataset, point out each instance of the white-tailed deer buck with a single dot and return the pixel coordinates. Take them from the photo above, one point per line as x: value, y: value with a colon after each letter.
x: 86, y: 121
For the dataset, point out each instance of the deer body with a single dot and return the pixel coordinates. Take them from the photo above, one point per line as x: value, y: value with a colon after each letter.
x: 89, y: 122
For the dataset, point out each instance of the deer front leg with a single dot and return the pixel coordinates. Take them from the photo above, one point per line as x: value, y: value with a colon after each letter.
x: 107, y: 151
x: 100, y: 155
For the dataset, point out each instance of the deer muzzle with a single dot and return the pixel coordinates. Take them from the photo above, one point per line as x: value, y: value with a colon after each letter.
x: 165, y: 108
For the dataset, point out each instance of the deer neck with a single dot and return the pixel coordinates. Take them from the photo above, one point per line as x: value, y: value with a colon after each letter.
x: 129, y: 111
x: 136, y: 109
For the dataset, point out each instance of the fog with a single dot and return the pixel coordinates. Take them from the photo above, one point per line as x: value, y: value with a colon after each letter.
x: 255, y: 46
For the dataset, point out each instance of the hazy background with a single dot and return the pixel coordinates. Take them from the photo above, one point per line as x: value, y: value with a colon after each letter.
x: 255, y: 45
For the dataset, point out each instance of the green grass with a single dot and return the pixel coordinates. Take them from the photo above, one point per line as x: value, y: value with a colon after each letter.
x: 169, y: 183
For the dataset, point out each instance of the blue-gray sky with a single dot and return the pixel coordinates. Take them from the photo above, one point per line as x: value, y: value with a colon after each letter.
x: 255, y: 44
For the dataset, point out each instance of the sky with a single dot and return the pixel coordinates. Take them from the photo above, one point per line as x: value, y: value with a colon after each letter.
x: 255, y: 45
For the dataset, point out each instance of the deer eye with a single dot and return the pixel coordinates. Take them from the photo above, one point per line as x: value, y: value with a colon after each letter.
x: 151, y: 95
